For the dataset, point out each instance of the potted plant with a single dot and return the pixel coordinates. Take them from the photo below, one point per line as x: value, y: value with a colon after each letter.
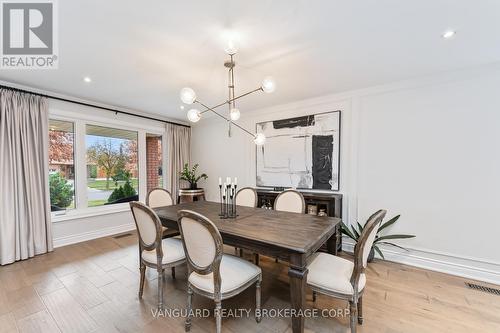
x: 354, y: 233
x: 189, y: 175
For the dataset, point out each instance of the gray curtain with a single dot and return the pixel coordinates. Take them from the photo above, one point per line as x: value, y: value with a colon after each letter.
x: 25, y: 226
x: 179, y: 153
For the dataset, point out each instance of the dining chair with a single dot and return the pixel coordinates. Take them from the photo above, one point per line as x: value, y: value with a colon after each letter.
x: 155, y: 252
x: 159, y: 197
x: 341, y: 278
x: 211, y: 273
x: 290, y: 201
x: 247, y: 197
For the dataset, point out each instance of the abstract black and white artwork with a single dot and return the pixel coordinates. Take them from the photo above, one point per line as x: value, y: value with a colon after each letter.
x: 301, y: 152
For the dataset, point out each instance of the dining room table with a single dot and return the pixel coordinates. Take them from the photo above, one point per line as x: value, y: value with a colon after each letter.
x: 290, y: 237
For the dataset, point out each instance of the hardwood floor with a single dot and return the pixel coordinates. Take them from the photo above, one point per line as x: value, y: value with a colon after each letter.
x: 92, y: 287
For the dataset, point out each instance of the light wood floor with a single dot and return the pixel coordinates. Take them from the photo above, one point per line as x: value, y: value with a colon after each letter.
x: 92, y: 287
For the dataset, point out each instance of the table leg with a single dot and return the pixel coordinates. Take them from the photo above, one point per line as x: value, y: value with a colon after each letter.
x: 298, y: 283
x: 331, y: 244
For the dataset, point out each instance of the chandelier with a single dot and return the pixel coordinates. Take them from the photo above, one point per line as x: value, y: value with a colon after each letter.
x: 188, y: 96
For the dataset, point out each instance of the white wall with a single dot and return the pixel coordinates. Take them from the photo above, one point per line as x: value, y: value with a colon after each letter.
x: 427, y: 149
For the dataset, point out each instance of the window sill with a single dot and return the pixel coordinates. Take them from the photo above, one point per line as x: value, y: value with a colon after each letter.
x: 89, y: 212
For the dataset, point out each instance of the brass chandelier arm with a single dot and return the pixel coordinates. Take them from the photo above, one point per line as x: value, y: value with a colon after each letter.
x: 228, y: 101
x: 226, y: 119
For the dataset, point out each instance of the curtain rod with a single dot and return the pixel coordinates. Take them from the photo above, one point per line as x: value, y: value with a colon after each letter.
x: 91, y: 105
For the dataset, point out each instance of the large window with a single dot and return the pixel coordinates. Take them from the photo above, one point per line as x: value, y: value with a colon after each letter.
x: 94, y: 166
x: 61, y: 165
x: 112, y: 165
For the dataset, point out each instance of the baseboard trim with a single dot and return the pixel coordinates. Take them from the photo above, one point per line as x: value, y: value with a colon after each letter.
x: 463, y: 267
x: 89, y: 235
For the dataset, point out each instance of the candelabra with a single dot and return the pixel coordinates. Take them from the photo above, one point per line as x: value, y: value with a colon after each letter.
x: 227, y: 194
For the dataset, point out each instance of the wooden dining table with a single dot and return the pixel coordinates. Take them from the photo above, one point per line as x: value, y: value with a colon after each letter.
x: 290, y: 237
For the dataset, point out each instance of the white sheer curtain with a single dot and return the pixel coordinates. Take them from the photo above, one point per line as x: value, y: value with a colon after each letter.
x: 179, y: 153
x: 25, y: 226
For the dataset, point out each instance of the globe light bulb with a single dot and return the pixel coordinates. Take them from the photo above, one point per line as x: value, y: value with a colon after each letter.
x: 234, y: 114
x: 231, y: 48
x: 193, y: 115
x: 188, y: 95
x: 260, y: 139
x: 268, y: 85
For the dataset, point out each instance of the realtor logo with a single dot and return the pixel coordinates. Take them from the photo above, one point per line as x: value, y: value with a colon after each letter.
x: 29, y: 39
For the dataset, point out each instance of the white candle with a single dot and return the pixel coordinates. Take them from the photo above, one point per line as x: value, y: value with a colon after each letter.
x: 235, y: 180
x: 220, y: 181
x: 229, y: 180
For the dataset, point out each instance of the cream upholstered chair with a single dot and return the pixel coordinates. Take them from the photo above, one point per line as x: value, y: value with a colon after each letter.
x: 290, y: 201
x: 155, y: 252
x: 159, y: 197
x: 341, y: 278
x: 213, y: 274
x: 246, y: 196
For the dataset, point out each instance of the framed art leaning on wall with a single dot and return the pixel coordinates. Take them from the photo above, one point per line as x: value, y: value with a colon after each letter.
x: 301, y: 152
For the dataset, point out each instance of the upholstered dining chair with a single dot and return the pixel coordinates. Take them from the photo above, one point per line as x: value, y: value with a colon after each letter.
x: 247, y: 197
x: 342, y: 278
x: 211, y: 273
x: 290, y: 201
x: 155, y: 252
x: 159, y: 197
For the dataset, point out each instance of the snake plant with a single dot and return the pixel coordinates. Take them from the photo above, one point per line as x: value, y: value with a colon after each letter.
x: 355, y: 231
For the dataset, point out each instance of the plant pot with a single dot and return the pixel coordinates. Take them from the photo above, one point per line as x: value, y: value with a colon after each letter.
x: 193, y: 186
x: 371, y: 256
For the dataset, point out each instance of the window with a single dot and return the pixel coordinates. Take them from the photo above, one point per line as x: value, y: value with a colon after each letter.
x: 61, y: 165
x: 154, y: 161
x: 112, y: 165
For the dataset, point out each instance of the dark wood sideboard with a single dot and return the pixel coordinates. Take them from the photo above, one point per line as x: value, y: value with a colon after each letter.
x: 330, y: 202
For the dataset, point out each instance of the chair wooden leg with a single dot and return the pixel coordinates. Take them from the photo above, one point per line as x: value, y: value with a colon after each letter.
x: 218, y: 317
x: 353, y: 308
x: 360, y: 311
x: 187, y: 325
x: 257, y: 259
x: 173, y: 272
x: 142, y: 269
x: 315, y: 295
x: 160, y: 288
x: 258, y: 315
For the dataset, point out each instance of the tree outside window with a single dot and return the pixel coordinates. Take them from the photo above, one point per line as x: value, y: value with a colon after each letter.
x: 112, y: 171
x: 61, y: 165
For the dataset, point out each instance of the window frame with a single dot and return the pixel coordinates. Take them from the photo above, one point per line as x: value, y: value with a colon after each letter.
x: 138, y: 162
x: 64, y: 212
x: 80, y: 121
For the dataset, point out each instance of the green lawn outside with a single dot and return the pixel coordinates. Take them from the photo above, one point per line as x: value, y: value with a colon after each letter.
x: 95, y: 203
x: 101, y: 184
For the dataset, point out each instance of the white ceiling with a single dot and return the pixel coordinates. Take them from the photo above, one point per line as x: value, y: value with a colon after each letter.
x: 139, y: 54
